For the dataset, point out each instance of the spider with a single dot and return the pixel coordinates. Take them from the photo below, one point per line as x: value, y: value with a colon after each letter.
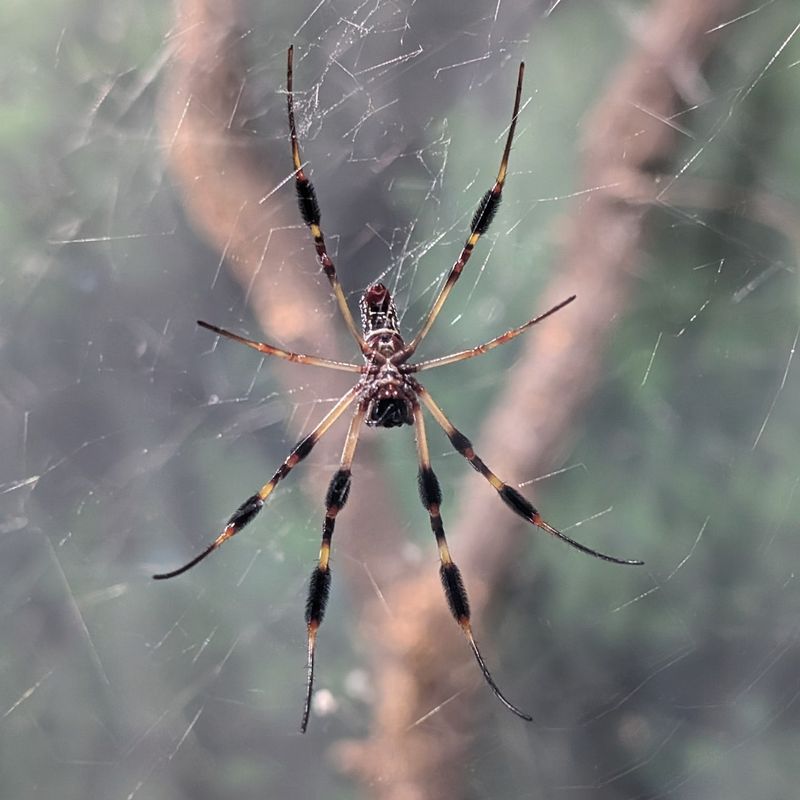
x: 388, y: 395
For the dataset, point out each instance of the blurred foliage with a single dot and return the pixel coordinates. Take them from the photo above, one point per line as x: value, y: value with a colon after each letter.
x: 677, y: 680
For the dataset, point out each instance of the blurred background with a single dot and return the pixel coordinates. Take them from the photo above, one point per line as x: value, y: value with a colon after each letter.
x: 146, y: 184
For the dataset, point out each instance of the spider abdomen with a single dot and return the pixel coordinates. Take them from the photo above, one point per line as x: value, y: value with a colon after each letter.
x: 389, y: 396
x: 390, y: 412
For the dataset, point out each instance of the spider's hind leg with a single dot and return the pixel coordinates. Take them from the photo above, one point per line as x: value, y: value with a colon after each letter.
x: 248, y: 510
x: 452, y: 583
x: 320, y: 583
x: 508, y: 494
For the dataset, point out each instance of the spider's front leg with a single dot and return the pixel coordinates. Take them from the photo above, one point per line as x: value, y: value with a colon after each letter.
x: 481, y: 220
x: 453, y: 585
x: 310, y: 211
x: 320, y: 584
x: 248, y: 510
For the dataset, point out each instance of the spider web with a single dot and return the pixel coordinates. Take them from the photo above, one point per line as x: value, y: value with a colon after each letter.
x: 130, y: 435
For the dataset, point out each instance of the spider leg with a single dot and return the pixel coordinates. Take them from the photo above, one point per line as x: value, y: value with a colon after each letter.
x: 510, y: 496
x: 481, y: 220
x: 431, y: 496
x: 248, y: 510
x: 269, y: 350
x: 463, y: 355
x: 309, y: 209
x: 320, y: 583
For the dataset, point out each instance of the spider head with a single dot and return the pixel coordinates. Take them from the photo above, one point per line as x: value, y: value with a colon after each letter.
x: 378, y: 312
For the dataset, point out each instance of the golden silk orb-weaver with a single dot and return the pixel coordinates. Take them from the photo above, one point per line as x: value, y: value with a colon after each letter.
x: 387, y: 394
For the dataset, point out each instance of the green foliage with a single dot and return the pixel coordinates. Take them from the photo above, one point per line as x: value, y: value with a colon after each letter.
x: 128, y: 438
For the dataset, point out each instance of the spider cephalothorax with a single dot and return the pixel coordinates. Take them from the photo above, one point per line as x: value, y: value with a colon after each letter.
x: 379, y: 320
x: 388, y: 395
